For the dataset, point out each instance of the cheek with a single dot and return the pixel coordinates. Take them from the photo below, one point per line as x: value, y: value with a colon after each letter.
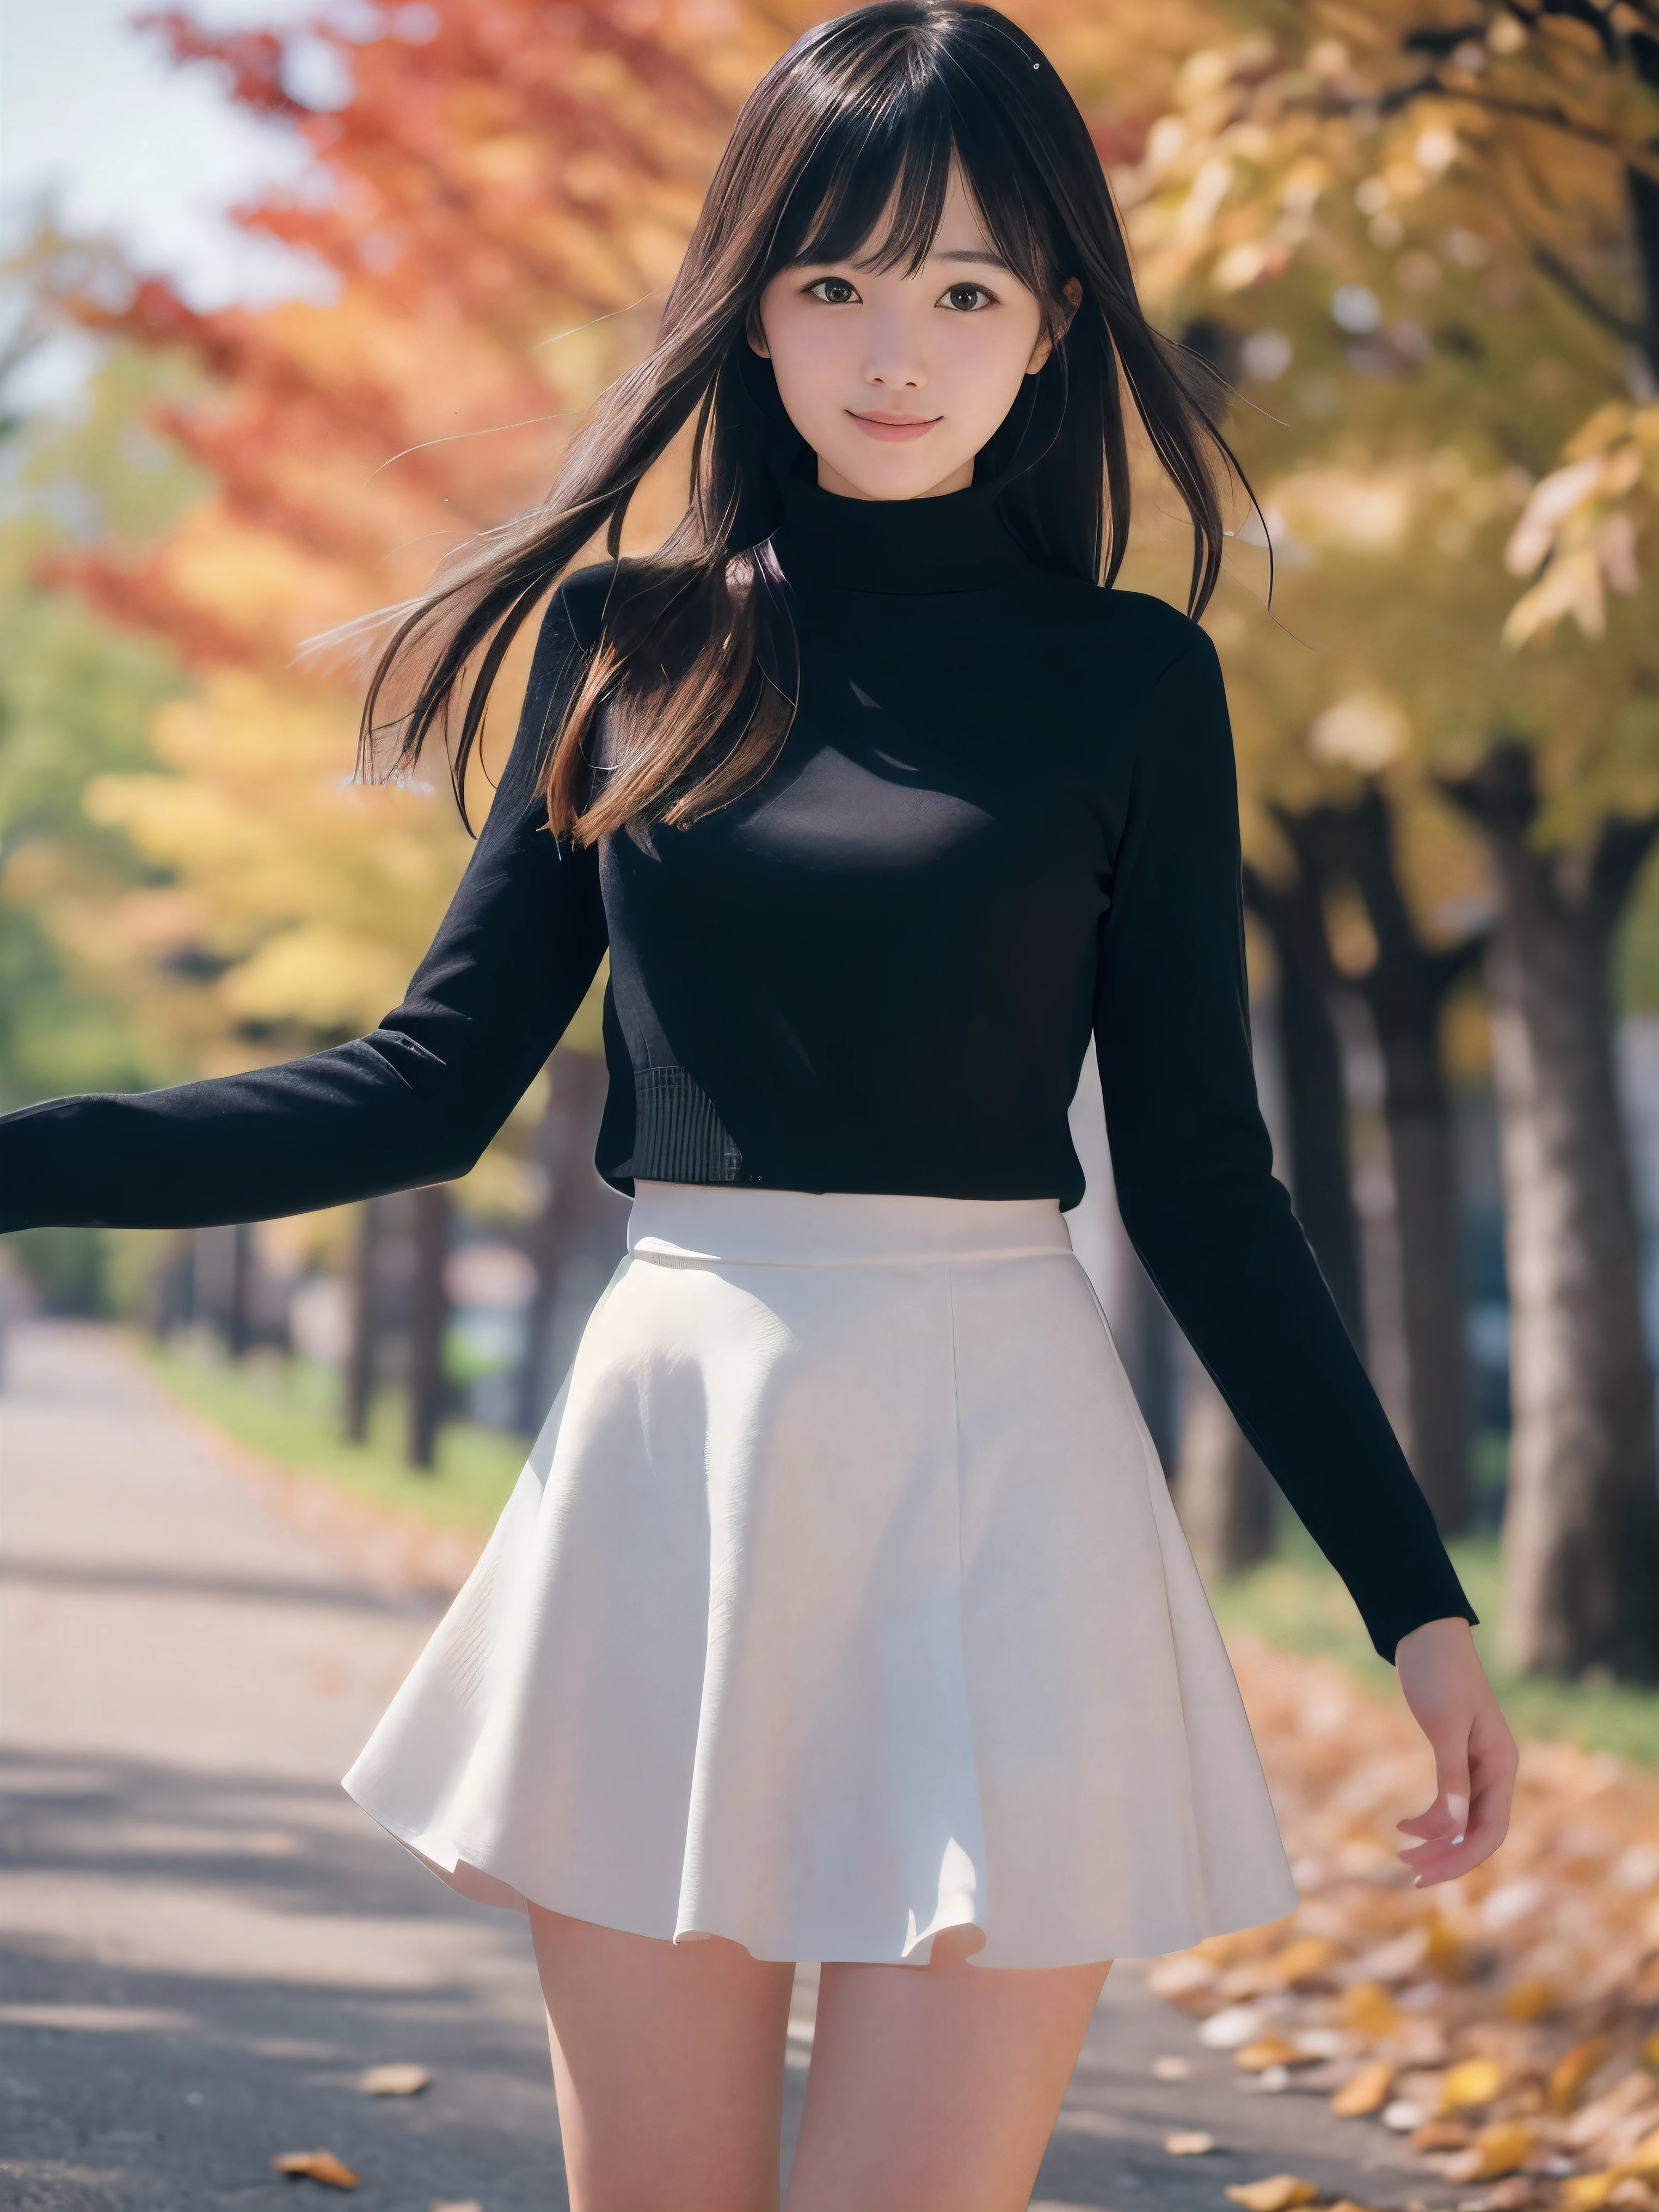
x: 989, y: 366
x: 806, y: 357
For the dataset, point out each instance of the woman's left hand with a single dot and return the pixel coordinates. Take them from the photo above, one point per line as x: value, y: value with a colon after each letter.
x: 1475, y: 1756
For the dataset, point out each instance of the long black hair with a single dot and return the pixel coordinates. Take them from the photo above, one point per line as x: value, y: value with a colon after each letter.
x: 693, y: 665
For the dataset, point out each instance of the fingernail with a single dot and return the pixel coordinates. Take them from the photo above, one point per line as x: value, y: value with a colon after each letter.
x: 1458, y: 1807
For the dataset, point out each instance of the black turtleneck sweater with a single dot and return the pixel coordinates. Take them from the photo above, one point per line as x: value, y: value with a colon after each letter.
x: 1004, y: 817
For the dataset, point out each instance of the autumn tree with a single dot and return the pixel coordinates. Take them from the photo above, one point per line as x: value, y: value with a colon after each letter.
x: 1434, y: 231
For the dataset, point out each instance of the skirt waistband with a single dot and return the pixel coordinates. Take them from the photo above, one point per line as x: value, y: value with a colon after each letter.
x: 683, y: 1221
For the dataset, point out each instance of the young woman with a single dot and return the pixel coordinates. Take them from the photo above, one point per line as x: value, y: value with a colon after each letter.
x: 840, y: 1612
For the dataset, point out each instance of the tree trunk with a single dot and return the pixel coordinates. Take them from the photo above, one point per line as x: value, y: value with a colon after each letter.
x: 1429, y: 1217
x: 1223, y: 1494
x: 564, y: 1153
x: 1581, y: 1523
x: 362, y: 1355
x: 1316, y: 1101
x: 428, y: 1324
x: 239, y: 1311
x: 1406, y: 989
x: 1317, y: 1111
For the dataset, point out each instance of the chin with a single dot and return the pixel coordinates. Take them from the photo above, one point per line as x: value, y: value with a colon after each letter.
x: 911, y: 482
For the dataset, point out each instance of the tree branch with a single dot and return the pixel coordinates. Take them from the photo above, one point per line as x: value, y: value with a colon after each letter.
x: 1576, y: 291
x: 1621, y: 852
x: 1500, y: 792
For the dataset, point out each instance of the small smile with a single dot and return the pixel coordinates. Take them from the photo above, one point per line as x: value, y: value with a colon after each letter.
x: 895, y: 429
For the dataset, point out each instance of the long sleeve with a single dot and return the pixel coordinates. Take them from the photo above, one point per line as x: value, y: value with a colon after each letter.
x: 1193, y: 1164
x: 415, y: 1101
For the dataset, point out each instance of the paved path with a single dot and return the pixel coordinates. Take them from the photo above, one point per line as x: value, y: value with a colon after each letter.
x: 206, y: 1941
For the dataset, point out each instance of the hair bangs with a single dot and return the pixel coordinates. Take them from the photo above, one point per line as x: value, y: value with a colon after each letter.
x: 872, y: 190
x: 888, y: 152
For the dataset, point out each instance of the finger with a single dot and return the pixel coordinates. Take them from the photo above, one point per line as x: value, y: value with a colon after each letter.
x: 1483, y: 1831
x: 1449, y: 1815
x: 1451, y: 1767
x: 1447, y: 1862
x: 1443, y: 1827
x: 1441, y: 1860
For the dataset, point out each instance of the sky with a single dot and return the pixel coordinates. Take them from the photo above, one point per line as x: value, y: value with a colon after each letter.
x: 94, y: 119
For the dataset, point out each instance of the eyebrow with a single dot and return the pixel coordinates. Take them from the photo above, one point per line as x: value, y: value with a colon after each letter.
x: 987, y: 257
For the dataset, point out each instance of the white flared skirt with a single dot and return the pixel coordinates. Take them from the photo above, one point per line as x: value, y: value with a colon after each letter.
x: 842, y: 1601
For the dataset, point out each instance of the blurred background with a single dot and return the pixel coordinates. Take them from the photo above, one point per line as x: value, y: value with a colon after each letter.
x: 297, y: 297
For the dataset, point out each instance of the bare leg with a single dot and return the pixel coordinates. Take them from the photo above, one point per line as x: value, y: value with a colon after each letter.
x: 668, y: 2062
x: 934, y: 2088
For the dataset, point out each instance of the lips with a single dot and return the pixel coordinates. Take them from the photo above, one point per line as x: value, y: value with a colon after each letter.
x: 895, y: 429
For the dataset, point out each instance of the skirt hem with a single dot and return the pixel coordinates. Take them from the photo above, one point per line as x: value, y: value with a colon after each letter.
x: 453, y: 1865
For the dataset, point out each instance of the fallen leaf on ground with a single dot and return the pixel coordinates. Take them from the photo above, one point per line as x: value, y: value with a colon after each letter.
x: 1183, y: 1976
x: 1497, y: 2150
x: 1171, y: 2068
x: 1573, y: 2071
x: 1404, y: 2117
x: 1189, y: 2143
x: 1441, y: 2135
x: 1278, y: 2193
x: 315, y: 2166
x: 1445, y: 1954
x: 1589, y: 2192
x: 1305, y: 1961
x: 1511, y: 2195
x: 1365, y: 2091
x: 396, y: 2081
x: 1531, y: 1999
x: 1476, y: 2081
x: 1233, y: 2025
x: 1367, y: 2007
x: 1268, y: 2051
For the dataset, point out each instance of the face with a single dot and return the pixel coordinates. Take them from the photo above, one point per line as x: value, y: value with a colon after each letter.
x: 894, y: 379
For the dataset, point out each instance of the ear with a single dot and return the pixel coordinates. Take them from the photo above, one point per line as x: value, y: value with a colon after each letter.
x: 1071, y: 292
x: 755, y: 331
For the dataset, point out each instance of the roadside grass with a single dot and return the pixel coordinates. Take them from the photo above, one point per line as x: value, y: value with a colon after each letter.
x: 288, y: 1409
x: 1294, y: 1600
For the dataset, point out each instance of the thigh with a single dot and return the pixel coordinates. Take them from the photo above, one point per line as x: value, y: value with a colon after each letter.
x: 668, y: 2062
x: 934, y: 2088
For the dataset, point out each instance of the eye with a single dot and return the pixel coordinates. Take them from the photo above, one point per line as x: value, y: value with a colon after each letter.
x: 966, y: 299
x: 834, y: 291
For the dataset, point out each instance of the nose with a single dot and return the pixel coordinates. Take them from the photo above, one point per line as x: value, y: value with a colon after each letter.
x: 893, y: 363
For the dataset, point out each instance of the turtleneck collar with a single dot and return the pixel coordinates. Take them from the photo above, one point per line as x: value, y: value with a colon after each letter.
x: 953, y: 543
